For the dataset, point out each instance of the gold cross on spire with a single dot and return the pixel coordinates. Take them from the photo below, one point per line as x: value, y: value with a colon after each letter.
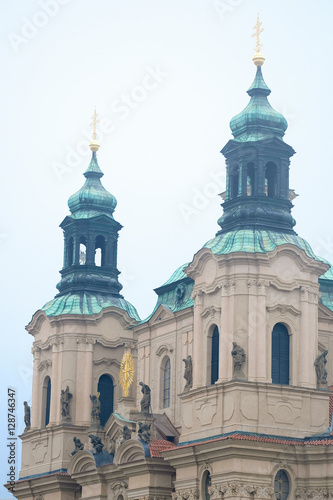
x: 258, y: 58
x: 94, y: 122
x: 257, y: 32
x: 94, y: 145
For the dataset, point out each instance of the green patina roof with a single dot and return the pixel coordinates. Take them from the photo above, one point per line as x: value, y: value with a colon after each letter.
x: 167, y: 295
x: 258, y: 120
x: 254, y: 241
x: 177, y: 275
x: 87, y: 303
x: 92, y: 199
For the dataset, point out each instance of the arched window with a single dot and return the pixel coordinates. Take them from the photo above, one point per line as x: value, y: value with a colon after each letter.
x: 271, y: 180
x: 100, y: 251
x: 281, y: 485
x: 280, y: 355
x: 70, y: 252
x: 166, y: 384
x: 106, y: 390
x: 250, y: 180
x: 83, y: 251
x: 46, y: 401
x: 214, y: 367
x: 234, y: 182
x: 208, y: 483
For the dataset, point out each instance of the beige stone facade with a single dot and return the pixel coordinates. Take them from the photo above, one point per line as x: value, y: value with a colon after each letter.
x: 252, y: 313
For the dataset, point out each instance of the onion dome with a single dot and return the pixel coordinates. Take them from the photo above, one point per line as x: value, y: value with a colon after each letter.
x: 258, y: 120
x: 92, y: 199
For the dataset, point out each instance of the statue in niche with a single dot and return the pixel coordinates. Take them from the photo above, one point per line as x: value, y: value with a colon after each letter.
x: 78, y: 445
x: 144, y: 432
x: 126, y: 434
x: 65, y: 398
x: 320, y: 365
x: 97, y: 444
x: 96, y: 409
x: 26, y: 416
x: 188, y: 373
x: 145, y: 401
x: 239, y: 357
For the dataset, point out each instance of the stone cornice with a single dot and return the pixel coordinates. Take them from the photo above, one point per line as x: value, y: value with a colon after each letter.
x: 107, y: 361
x: 284, y: 309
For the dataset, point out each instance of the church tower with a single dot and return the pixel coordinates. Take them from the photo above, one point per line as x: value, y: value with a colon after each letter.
x: 79, y: 340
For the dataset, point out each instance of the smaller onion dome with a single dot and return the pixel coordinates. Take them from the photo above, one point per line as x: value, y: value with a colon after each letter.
x: 258, y: 120
x: 92, y: 199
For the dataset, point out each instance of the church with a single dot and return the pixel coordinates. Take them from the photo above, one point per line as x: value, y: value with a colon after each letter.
x: 224, y: 391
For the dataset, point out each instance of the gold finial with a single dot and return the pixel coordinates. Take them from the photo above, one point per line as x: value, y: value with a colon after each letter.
x: 258, y: 58
x: 94, y: 145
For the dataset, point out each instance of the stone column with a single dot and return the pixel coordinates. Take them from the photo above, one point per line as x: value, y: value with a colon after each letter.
x: 302, y: 359
x: 313, y: 336
x: 224, y: 349
x: 36, y: 391
x: 55, y: 416
x: 252, y: 330
x: 261, y: 334
x: 227, y: 330
x: 199, y: 364
x: 83, y: 388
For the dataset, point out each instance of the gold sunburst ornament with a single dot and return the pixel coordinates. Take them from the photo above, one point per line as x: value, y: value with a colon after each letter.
x: 126, y: 373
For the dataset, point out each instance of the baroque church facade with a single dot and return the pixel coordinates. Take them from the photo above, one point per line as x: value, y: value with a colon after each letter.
x: 231, y: 372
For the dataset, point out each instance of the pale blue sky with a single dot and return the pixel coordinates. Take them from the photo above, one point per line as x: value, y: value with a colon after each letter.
x: 162, y: 154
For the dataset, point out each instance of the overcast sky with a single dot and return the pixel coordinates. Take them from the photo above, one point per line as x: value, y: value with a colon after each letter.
x: 166, y: 77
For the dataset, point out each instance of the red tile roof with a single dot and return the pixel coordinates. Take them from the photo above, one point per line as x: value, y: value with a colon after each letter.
x: 264, y: 439
x: 158, y: 445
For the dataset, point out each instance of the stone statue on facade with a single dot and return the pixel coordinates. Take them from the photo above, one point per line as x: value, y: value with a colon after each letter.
x: 145, y: 401
x: 97, y: 444
x: 78, y: 445
x: 26, y: 416
x: 126, y: 434
x: 96, y: 409
x: 65, y: 398
x: 321, y: 370
x: 188, y: 373
x: 144, y: 432
x: 239, y: 357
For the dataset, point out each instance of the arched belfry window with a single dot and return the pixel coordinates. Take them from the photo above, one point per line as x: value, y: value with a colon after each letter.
x: 234, y: 182
x: 83, y: 251
x: 250, y: 180
x: 46, y: 401
x: 70, y: 252
x: 271, y: 180
x: 100, y: 251
x: 281, y: 485
x: 208, y: 483
x: 214, y: 367
x: 166, y: 383
x: 280, y: 355
x: 106, y: 392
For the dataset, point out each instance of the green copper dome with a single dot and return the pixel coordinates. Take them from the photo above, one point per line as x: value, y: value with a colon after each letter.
x: 258, y: 120
x: 92, y: 199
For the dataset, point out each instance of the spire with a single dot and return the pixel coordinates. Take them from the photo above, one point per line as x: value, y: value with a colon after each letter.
x: 257, y: 191
x: 92, y: 199
x: 258, y: 120
x: 91, y: 234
